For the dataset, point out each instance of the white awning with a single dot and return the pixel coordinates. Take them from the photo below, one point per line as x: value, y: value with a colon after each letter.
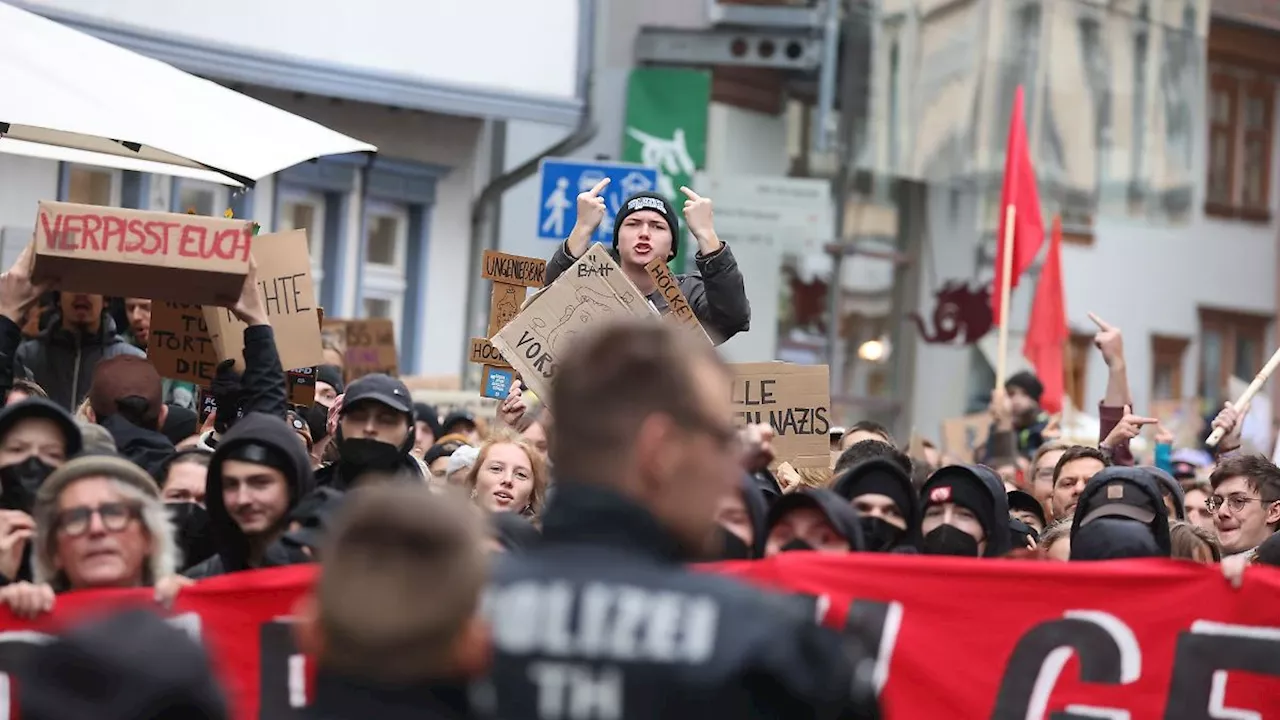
x: 86, y: 100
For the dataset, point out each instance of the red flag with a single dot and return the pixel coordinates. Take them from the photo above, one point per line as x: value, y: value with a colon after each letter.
x: 1020, y: 192
x: 1047, y: 332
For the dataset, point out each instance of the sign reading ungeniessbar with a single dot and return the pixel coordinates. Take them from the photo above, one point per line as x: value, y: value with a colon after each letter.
x: 795, y: 400
x: 114, y: 251
x: 514, y: 269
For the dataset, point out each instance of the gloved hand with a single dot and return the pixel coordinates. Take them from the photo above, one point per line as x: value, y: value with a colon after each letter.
x: 227, y: 394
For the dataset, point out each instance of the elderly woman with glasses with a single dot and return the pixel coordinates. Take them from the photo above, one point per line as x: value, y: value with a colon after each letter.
x: 100, y: 523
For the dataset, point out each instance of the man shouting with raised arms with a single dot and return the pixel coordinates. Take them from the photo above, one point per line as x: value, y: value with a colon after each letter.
x: 646, y: 228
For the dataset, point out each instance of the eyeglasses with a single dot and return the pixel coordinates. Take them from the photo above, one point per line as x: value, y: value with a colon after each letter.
x: 1234, y: 503
x: 115, y: 517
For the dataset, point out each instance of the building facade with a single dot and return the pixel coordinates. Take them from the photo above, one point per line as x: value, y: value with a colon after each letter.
x: 424, y: 82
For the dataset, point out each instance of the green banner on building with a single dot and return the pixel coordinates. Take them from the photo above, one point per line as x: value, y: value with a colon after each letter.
x: 667, y: 129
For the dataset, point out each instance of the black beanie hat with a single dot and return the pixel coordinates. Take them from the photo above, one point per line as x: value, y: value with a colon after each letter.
x: 881, y: 477
x: 332, y: 376
x: 1027, y: 383
x: 262, y: 454
x: 959, y: 485
x: 649, y: 201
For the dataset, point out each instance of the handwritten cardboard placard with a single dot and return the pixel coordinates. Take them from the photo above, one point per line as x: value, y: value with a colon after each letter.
x: 962, y: 435
x: 371, y: 348
x: 114, y: 251
x: 180, y: 346
x: 288, y: 295
x: 678, y: 307
x: 592, y: 290
x: 514, y: 269
x: 795, y: 400
x: 484, y: 353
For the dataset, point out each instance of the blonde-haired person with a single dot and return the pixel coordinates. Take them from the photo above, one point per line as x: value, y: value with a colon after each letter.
x: 1055, y: 541
x: 1190, y: 542
x: 100, y: 524
x: 508, y: 475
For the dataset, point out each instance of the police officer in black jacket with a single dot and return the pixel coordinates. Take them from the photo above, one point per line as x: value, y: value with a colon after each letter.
x: 602, y: 619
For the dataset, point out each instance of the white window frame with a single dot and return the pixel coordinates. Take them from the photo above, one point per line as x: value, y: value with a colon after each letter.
x: 116, y: 196
x: 382, y: 281
x: 315, y: 235
x: 221, y: 195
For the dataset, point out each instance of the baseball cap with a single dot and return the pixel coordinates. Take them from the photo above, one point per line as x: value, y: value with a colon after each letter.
x: 1120, y: 499
x: 379, y: 388
x: 1019, y: 500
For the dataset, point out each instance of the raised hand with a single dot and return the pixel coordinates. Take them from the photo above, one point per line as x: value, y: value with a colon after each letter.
x: 1129, y: 427
x: 17, y: 293
x: 591, y: 208
x: 698, y: 215
x: 1108, y: 340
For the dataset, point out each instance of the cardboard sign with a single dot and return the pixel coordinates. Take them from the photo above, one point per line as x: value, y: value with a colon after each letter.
x: 504, y: 305
x: 484, y: 353
x: 514, y: 269
x: 180, y: 346
x: 114, y: 251
x: 593, y: 289
x: 960, y: 436
x: 678, y: 307
x: 288, y: 295
x: 371, y: 348
x: 795, y: 400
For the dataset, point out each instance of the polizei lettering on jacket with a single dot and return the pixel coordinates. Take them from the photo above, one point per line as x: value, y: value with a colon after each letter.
x: 585, y: 636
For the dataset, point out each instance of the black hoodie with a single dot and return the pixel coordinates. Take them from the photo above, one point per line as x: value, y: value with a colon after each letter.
x: 757, y: 505
x: 233, y: 546
x: 999, y: 539
x: 837, y: 510
x: 148, y: 449
x: 884, y: 477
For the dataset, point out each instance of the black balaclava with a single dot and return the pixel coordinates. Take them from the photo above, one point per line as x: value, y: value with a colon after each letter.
x: 649, y: 201
x: 19, y: 481
x: 978, y: 489
x: 882, y: 477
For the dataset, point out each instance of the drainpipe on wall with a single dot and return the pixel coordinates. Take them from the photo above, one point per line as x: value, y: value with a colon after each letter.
x: 484, y: 204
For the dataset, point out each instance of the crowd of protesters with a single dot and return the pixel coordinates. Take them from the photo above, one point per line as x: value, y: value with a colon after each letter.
x: 478, y: 537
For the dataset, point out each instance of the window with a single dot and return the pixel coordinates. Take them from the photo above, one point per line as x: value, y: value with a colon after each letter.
x: 200, y: 198
x: 1078, y: 349
x: 1241, y: 118
x: 305, y: 210
x: 1166, y: 367
x: 92, y: 186
x: 386, y: 243
x: 1230, y: 344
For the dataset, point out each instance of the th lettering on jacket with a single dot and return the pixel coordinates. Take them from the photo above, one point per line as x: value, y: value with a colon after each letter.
x: 588, y: 636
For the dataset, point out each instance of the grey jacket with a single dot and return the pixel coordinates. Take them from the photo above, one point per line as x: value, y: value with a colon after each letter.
x: 61, y: 360
x: 716, y: 292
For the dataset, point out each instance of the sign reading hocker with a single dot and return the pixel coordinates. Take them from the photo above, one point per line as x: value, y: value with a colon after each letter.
x: 592, y: 290
x: 512, y: 276
x: 795, y: 400
x: 114, y: 251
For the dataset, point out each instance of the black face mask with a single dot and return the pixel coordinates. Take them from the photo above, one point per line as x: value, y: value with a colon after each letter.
x: 796, y: 544
x: 20, y: 481
x: 949, y: 540
x: 364, y: 454
x: 318, y: 422
x: 879, y: 535
x: 730, y: 546
x: 193, y: 531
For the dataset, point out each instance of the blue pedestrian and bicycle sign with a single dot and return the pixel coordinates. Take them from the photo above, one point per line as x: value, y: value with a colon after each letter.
x: 562, y: 180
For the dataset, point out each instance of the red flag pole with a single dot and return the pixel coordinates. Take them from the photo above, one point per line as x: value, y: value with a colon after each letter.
x: 1006, y: 278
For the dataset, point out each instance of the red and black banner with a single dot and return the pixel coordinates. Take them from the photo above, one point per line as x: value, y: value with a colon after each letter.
x: 954, y: 638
